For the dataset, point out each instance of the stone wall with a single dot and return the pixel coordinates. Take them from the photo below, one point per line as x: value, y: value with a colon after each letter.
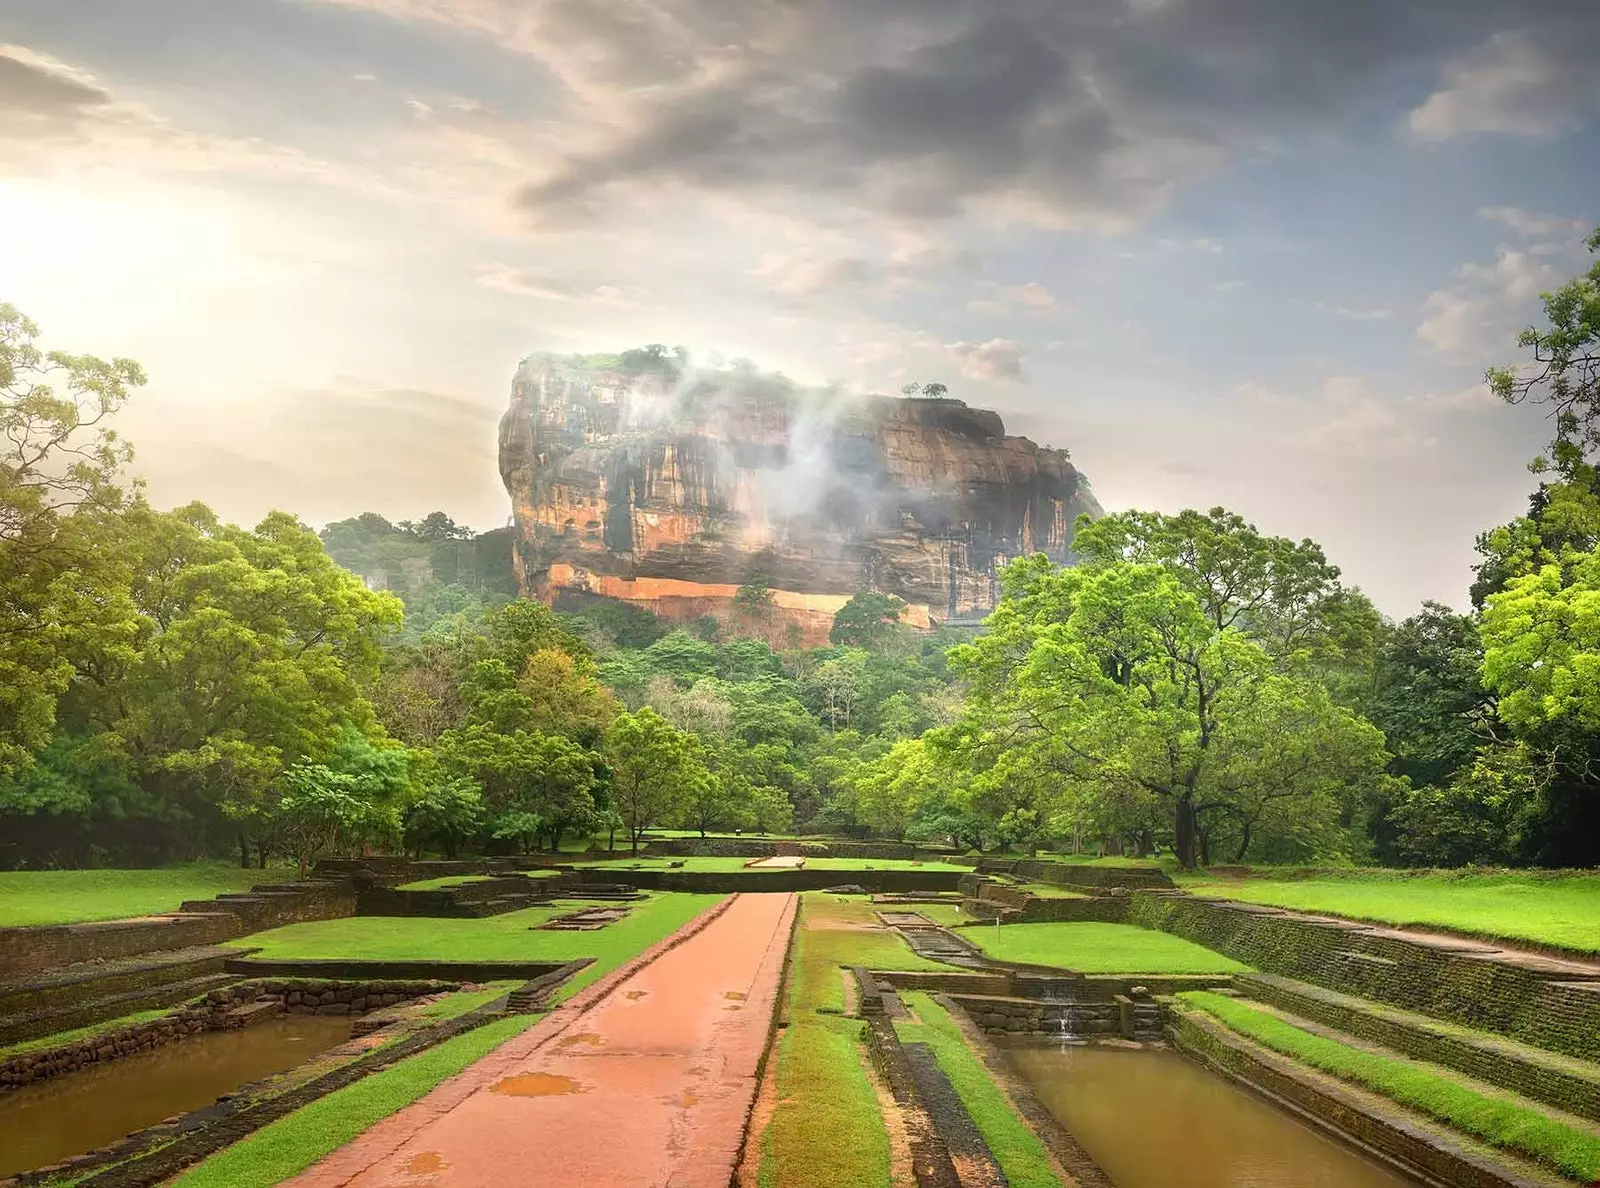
x: 750, y: 847
x: 211, y: 1013
x: 1325, y: 1104
x: 295, y: 903
x: 48, y: 946
x: 1077, y: 874
x: 1123, y: 1018
x: 1460, y: 985
x: 729, y: 882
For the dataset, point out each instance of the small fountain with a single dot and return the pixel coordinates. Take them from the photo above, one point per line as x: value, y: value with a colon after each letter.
x: 1066, y: 1028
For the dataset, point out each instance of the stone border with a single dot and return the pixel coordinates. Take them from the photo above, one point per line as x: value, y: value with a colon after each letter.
x: 1057, y: 1139
x: 451, y: 1091
x: 443, y: 971
x: 1385, y: 1133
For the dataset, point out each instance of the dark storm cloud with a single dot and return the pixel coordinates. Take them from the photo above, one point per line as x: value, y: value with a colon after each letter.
x: 1084, y: 111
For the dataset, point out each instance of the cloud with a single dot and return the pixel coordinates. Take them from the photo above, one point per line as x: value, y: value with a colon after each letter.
x: 1525, y: 82
x: 1087, y: 115
x: 1482, y: 304
x: 1529, y: 225
x: 997, y: 359
x: 1001, y: 298
x: 331, y: 451
x: 1355, y: 314
x: 504, y: 278
x: 804, y: 276
x: 35, y: 89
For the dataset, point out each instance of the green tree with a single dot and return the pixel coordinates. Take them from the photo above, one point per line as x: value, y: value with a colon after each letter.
x: 60, y: 470
x: 447, y: 814
x: 654, y: 762
x: 1564, y: 372
x: 869, y: 620
x: 682, y: 657
x: 323, y: 811
x: 1281, y: 593
x: 536, y: 787
x: 1119, y: 678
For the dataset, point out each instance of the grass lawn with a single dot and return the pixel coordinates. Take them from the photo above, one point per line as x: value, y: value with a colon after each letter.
x: 827, y: 1130
x: 1018, y: 1150
x: 290, y: 1145
x: 1434, y: 1091
x: 1053, y: 891
x: 739, y: 864
x: 493, y: 938
x: 1100, y: 948
x: 441, y: 883
x: 1563, y: 912
x: 72, y: 896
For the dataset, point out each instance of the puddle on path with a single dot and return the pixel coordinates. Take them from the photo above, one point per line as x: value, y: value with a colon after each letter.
x: 426, y: 1164
x: 588, y: 1038
x: 536, y: 1085
x: 735, y: 994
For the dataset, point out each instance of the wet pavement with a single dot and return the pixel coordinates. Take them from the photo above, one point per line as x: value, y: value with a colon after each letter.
x: 645, y: 1079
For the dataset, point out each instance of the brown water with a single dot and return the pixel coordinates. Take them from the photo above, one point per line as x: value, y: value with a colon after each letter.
x: 77, y: 1112
x: 1152, y: 1119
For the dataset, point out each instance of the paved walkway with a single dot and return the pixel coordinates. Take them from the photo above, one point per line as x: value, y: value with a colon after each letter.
x: 644, y: 1080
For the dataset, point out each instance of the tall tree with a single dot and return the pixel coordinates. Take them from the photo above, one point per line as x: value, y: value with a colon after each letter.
x: 653, y: 762
x: 1119, y: 678
x: 60, y: 469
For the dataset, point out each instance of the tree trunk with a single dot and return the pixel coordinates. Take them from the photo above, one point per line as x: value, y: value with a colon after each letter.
x: 1183, y: 827
x: 1244, y: 844
x: 244, y: 851
x: 1203, y: 836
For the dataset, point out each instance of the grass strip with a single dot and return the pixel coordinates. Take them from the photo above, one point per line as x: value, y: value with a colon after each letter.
x: 453, y: 1006
x: 1561, y: 912
x: 290, y: 1145
x: 62, y: 1038
x: 77, y: 896
x: 826, y: 1129
x: 1100, y: 949
x: 1503, y: 1123
x: 1023, y: 1158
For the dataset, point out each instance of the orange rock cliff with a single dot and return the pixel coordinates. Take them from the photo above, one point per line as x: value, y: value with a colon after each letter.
x: 633, y: 478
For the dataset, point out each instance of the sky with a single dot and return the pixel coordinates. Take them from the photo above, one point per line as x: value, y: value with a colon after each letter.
x: 1247, y: 254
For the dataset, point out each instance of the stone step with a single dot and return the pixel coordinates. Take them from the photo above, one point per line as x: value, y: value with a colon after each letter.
x: 33, y: 1024
x: 96, y: 979
x: 247, y: 1013
x: 1561, y: 1081
x: 1454, y: 1076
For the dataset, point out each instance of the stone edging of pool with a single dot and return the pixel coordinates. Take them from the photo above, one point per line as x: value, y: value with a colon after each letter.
x: 1361, y: 1119
x: 156, y: 1153
x: 1079, y: 1164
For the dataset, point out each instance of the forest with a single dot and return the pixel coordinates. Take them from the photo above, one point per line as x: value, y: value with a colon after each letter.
x: 173, y: 686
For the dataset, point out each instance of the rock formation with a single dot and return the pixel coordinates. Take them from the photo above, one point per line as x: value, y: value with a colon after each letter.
x: 632, y: 479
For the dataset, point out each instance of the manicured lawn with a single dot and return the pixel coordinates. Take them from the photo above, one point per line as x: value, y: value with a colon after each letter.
x: 827, y: 1130
x: 1099, y: 948
x: 1562, y: 912
x: 1434, y: 1091
x: 290, y: 1145
x: 441, y: 883
x: 494, y: 938
x: 71, y: 896
x: 1052, y: 891
x: 739, y: 864
x: 1016, y: 1148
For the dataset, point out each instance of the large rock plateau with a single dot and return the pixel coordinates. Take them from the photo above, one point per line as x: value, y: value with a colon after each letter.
x: 670, y: 490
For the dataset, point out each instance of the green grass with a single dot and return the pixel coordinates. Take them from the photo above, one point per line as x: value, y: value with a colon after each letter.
x: 493, y: 938
x: 58, y: 1038
x: 73, y: 896
x: 1100, y: 948
x: 442, y: 882
x: 1053, y: 891
x: 723, y: 865
x: 827, y: 1129
x: 290, y: 1145
x: 1499, y: 1121
x: 1016, y: 1148
x: 453, y: 1006
x: 1563, y: 912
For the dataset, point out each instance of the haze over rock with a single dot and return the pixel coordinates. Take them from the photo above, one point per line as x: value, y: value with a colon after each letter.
x: 640, y: 478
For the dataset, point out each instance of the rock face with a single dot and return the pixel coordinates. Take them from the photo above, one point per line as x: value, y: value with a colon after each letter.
x: 669, y: 491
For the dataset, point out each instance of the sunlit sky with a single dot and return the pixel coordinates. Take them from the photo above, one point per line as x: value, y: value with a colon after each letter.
x: 1225, y: 252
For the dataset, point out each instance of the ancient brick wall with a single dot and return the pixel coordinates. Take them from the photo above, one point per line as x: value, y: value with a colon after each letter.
x: 1460, y: 986
x: 47, y: 946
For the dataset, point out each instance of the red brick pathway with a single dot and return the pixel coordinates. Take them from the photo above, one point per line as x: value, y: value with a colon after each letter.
x: 646, y: 1079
